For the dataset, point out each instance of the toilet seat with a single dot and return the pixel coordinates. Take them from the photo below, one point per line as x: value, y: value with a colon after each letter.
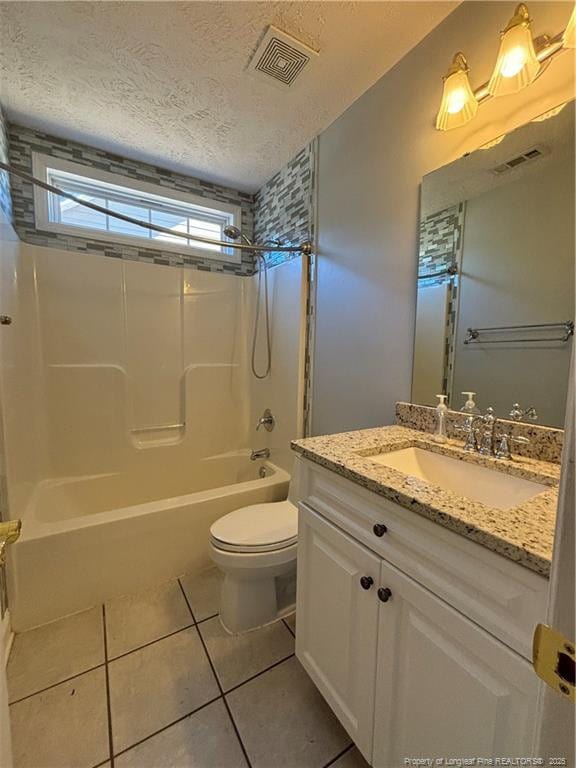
x: 257, y: 528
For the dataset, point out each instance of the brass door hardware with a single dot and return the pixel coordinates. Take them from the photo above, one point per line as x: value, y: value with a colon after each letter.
x: 9, y: 533
x: 553, y: 657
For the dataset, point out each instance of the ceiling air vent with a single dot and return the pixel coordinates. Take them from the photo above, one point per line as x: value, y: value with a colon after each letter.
x: 531, y: 154
x: 280, y: 58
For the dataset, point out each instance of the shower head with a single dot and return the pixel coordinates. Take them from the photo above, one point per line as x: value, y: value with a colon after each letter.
x: 234, y: 233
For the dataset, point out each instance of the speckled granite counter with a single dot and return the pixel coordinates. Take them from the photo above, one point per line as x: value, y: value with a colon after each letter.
x: 524, y: 533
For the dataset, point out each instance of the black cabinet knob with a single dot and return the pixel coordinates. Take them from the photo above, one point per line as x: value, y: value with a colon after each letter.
x: 380, y: 529
x: 384, y: 594
x: 366, y: 582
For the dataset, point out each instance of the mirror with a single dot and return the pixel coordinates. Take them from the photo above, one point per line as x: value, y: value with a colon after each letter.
x: 495, y: 304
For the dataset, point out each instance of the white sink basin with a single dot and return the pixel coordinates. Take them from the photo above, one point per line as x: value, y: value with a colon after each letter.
x: 495, y: 489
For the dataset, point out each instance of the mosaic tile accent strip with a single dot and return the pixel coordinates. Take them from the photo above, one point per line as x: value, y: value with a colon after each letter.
x: 545, y: 442
x: 24, y: 141
x: 285, y: 209
x: 5, y: 197
x: 6, y: 207
x: 311, y: 284
x: 311, y: 276
x: 284, y: 206
x: 441, y: 240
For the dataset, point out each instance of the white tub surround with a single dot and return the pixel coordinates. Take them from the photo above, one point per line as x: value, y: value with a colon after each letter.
x: 131, y: 417
x: 86, y: 540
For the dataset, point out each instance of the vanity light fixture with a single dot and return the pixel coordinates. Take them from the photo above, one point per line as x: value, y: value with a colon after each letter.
x: 520, y: 61
x: 549, y: 113
x: 458, y: 104
x: 569, y: 37
x: 516, y: 65
x: 493, y: 142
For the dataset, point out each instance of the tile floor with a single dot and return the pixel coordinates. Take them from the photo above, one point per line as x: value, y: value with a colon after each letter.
x: 153, y: 681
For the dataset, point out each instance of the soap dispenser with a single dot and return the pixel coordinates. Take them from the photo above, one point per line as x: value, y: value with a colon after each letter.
x: 470, y: 404
x: 441, y: 410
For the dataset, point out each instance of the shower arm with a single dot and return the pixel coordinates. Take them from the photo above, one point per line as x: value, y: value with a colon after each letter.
x: 305, y: 247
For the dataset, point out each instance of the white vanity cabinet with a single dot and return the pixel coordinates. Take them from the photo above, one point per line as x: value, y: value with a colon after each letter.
x: 337, y: 626
x: 445, y: 687
x: 408, y: 674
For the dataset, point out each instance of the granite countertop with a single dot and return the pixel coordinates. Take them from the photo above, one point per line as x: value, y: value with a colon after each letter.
x: 524, y: 534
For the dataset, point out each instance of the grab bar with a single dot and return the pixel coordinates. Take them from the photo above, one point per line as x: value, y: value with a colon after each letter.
x: 473, y: 334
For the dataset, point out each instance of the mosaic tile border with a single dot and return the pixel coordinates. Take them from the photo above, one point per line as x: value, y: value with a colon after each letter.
x: 6, y: 208
x: 282, y: 209
x: 311, y: 288
x: 545, y: 442
x: 440, y: 245
x: 24, y: 141
x: 284, y: 206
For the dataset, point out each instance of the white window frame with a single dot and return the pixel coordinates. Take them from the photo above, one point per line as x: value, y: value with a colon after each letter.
x: 40, y: 165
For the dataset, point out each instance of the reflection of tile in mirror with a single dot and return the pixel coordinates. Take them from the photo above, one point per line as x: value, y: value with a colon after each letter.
x: 516, y: 250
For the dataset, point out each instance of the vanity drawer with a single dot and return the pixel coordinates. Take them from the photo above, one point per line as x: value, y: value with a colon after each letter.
x: 503, y: 597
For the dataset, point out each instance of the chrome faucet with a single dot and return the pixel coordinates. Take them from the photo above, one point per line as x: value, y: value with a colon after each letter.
x: 482, y: 439
x: 486, y: 447
x: 520, y: 414
x: 503, y: 451
x: 261, y: 453
x: 469, y: 428
x: 266, y: 420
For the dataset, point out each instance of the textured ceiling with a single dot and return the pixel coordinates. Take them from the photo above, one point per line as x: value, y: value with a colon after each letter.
x: 167, y: 83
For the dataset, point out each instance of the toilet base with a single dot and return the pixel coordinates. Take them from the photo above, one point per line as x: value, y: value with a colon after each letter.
x: 255, y: 591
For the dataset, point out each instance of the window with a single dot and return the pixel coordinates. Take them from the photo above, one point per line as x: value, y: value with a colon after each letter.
x: 177, y: 211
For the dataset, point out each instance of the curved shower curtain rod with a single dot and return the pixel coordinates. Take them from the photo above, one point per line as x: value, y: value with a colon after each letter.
x: 305, y: 247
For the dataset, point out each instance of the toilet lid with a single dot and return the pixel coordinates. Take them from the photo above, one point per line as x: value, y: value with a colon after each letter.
x: 260, y: 527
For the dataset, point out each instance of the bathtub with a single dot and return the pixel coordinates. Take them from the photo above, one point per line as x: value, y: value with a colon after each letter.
x: 88, y: 539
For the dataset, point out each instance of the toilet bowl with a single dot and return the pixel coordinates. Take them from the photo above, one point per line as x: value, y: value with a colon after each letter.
x: 255, y: 548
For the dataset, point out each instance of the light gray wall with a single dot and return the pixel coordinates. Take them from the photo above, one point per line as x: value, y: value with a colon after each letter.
x: 371, y: 163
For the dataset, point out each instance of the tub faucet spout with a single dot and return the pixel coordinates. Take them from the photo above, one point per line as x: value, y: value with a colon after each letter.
x: 262, y: 453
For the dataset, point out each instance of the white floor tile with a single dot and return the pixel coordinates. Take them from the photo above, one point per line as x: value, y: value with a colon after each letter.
x: 152, y: 687
x: 238, y: 657
x: 284, y: 721
x: 203, y: 592
x: 134, y: 620
x: 50, y: 654
x: 63, y: 727
x: 205, y: 739
x: 291, y: 621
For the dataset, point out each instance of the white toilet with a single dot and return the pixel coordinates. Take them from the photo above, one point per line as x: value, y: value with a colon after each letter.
x: 255, y: 547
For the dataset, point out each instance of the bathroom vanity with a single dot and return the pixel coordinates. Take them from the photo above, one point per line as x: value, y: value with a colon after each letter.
x: 418, y: 595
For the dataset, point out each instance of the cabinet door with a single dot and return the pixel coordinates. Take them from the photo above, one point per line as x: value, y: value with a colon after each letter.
x: 445, y: 687
x: 337, y: 622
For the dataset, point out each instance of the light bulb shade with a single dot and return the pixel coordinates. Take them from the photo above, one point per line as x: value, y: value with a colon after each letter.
x: 516, y: 65
x: 569, y: 37
x: 458, y: 105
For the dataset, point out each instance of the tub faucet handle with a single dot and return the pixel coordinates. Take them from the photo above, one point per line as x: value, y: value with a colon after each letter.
x: 266, y: 420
